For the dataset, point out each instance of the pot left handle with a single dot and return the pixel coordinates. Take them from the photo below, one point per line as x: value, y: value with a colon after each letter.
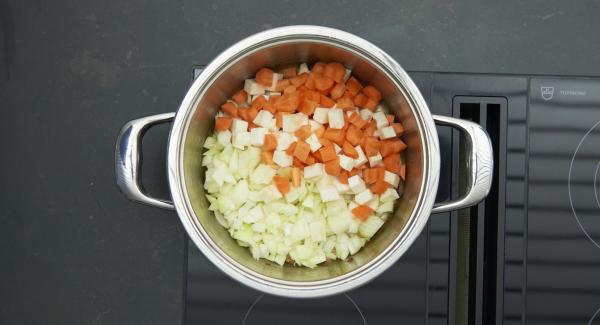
x: 128, y: 159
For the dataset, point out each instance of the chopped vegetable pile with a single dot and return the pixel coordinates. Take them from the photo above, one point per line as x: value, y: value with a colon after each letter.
x: 304, y: 165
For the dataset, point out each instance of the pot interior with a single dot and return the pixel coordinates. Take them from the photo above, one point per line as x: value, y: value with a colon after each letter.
x: 222, y: 85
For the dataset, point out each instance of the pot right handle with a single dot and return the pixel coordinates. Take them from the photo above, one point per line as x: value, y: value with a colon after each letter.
x: 479, y: 164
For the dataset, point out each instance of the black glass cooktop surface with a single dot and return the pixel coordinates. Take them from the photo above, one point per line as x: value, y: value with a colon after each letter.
x: 528, y: 254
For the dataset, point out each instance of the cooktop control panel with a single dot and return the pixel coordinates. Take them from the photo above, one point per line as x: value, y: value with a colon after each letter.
x: 529, y: 253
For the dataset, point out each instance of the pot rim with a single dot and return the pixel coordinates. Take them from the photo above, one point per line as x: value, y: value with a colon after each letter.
x: 423, y: 205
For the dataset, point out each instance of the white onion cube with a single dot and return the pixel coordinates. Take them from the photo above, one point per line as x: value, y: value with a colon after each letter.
x: 366, y: 114
x: 329, y: 193
x: 284, y: 140
x: 303, y: 68
x: 257, y: 136
x: 380, y: 119
x: 271, y: 193
x: 387, y: 132
x: 282, y: 159
x: 375, y: 160
x: 238, y: 126
x: 363, y: 197
x: 224, y: 137
x: 313, y: 142
x: 337, y: 148
x: 241, y: 139
x: 391, y: 179
x: 314, y: 125
x: 356, y: 184
x: 263, y: 118
x: 252, y: 87
x: 389, y: 195
x: 320, y: 115
x: 336, y: 118
x: 346, y: 162
x: 314, y: 170
x: 362, y: 158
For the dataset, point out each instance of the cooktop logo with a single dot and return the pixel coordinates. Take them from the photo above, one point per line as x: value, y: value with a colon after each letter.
x: 547, y: 92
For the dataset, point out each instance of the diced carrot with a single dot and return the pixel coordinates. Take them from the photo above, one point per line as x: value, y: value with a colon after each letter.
x: 297, y: 163
x: 369, y: 176
x: 327, y: 153
x: 379, y: 187
x: 335, y: 71
x: 223, y: 123
x: 372, y: 93
x: 288, y: 103
x: 356, y: 120
x: 398, y: 128
x: 325, y: 92
x: 317, y: 156
x: 270, y: 142
x: 290, y: 149
x: 354, y: 172
x: 318, y: 67
x: 339, y: 72
x: 326, y: 101
x: 303, y: 132
x: 323, y: 83
x: 392, y: 163
x: 313, y: 95
x: 335, y: 135
x: 243, y: 113
x: 349, y: 150
x: 240, y: 97
x: 283, y: 185
x: 282, y: 84
x: 387, y: 147
x: 266, y: 157
x: 307, y: 107
x: 289, y: 89
x: 264, y: 77
x: 338, y: 91
x: 371, y: 104
x: 310, y: 160
x: 361, y: 167
x: 403, y: 172
x: 325, y: 142
x: 354, y: 135
x: 296, y: 177
x: 353, y: 86
x: 289, y: 71
x: 360, y: 100
x: 252, y: 112
x: 370, y: 129
x: 333, y: 167
x: 346, y: 123
x: 390, y: 118
x: 362, y: 212
x: 270, y: 104
x: 379, y: 173
x: 230, y: 109
x: 258, y: 102
x: 310, y: 80
x: 302, y: 88
x: 345, y: 103
x: 299, y: 80
x: 318, y: 132
x: 399, y: 146
x: 343, y: 176
x: 371, y: 146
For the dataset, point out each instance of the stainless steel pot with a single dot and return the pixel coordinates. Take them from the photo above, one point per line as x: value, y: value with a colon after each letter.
x: 193, y: 122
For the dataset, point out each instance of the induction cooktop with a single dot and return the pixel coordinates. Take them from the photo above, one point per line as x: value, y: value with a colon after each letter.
x: 528, y: 254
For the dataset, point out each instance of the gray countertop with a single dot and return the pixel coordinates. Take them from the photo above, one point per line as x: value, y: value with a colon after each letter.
x: 73, y: 250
